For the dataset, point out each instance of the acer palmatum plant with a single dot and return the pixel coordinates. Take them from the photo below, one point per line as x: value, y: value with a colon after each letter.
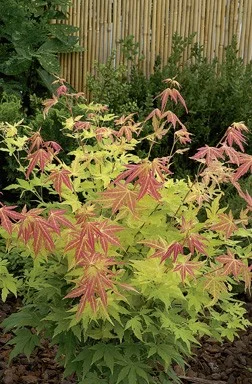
x: 131, y: 266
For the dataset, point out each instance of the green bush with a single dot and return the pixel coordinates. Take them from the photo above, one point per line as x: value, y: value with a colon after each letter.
x: 30, y: 43
x: 130, y: 266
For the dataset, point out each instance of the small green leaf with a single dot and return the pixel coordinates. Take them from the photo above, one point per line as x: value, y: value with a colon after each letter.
x: 136, y: 326
x: 24, y: 341
x: 123, y: 373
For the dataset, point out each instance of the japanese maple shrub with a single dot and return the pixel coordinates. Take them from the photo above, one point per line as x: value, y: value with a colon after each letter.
x: 131, y: 266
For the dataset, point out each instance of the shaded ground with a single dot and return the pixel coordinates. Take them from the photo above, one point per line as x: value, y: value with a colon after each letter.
x: 229, y: 363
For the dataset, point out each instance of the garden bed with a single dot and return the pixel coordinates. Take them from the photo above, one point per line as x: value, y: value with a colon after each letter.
x: 213, y: 363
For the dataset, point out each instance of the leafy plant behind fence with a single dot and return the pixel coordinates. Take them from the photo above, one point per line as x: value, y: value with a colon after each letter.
x: 217, y: 94
x: 30, y: 42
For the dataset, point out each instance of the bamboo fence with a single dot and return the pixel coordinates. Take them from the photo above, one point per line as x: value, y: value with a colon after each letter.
x: 103, y: 23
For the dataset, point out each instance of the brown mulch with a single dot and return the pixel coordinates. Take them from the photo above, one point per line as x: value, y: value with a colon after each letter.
x: 213, y: 363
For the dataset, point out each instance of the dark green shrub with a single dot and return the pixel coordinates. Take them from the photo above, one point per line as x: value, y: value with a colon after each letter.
x: 30, y: 43
x: 10, y: 108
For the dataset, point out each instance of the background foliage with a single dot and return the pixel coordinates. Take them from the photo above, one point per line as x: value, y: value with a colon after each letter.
x: 30, y: 41
x: 217, y: 93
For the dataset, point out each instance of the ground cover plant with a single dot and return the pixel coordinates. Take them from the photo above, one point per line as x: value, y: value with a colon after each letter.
x: 130, y: 266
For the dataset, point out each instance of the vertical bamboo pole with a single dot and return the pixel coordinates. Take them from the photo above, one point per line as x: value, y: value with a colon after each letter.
x: 179, y: 17
x: 202, y: 23
x: 198, y: 5
x: 101, y: 28
x: 196, y: 19
x: 123, y: 29
x: 133, y: 18
x: 222, y: 31
x: 244, y: 26
x: 73, y: 55
x: 85, y: 43
x: 209, y: 35
x: 171, y: 20
x: 147, y: 58
x: 97, y: 31
x: 227, y: 19
x: 118, y: 32
x: 154, y: 30
x: 89, y: 42
x: 162, y: 27
x: 249, y: 58
x: 171, y: 25
x: 238, y: 27
x: 247, y: 41
x: 105, y: 34
x: 77, y: 69
x: 158, y: 27
x: 145, y: 35
x: 236, y: 15
x: 127, y: 33
x: 218, y: 27
x: 109, y: 42
x: 64, y: 59
x: 69, y: 57
x: 184, y: 16
x: 175, y: 17
x: 195, y: 22
x: 231, y: 18
x: 93, y: 36
x: 187, y: 27
x: 240, y: 16
x: 167, y: 32
x: 80, y: 24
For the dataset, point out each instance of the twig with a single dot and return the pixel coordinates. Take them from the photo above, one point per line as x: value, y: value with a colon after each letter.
x: 202, y: 381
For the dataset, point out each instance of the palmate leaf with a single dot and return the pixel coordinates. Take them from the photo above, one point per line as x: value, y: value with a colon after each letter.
x: 109, y: 354
x: 117, y: 197
x: 41, y: 157
x: 38, y: 229
x: 144, y: 175
x: 132, y: 370
x: 231, y: 264
x: 225, y: 225
x: 215, y: 286
x: 25, y: 342
x: 195, y: 241
x: 60, y: 178
x: 107, y: 234
x: 246, y: 166
x: 7, y: 216
x: 187, y: 268
x: 136, y: 325
x: 174, y: 95
x: 209, y: 154
x: 96, y: 279
x: 56, y: 218
x: 84, y: 237
x: 234, y: 135
x: 163, y: 250
x: 79, y: 242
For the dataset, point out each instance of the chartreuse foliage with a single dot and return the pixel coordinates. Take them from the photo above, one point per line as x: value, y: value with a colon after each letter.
x: 130, y: 266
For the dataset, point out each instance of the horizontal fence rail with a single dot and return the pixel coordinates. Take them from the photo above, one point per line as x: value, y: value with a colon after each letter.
x: 103, y: 23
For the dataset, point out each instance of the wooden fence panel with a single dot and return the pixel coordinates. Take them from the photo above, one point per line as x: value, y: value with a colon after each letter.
x: 103, y: 23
